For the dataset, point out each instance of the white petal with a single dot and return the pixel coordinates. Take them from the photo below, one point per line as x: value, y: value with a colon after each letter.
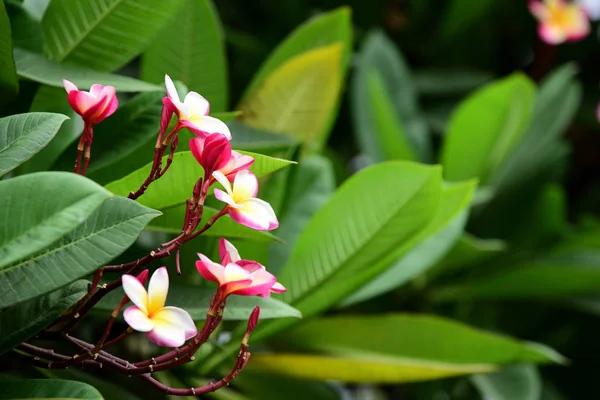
x: 178, y: 317
x: 137, y: 319
x: 245, y: 186
x: 135, y: 291
x: 210, y: 125
x: 171, y: 91
x: 197, y: 104
x: 157, y: 290
x: 218, y: 175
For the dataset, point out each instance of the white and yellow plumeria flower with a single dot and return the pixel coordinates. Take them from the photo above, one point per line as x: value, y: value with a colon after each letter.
x: 242, y: 204
x: 193, y: 113
x: 560, y: 21
x: 165, y: 326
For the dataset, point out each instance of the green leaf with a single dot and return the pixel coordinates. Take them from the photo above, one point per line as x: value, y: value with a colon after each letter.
x: 262, y: 386
x: 173, y: 217
x: 105, y: 234
x: 36, y: 8
x: 103, y: 34
x: 358, y: 368
x: 39, y: 209
x: 485, y: 128
x: 9, y: 85
x: 23, y: 321
x: 298, y: 98
x: 191, y: 49
x: 424, y: 338
x: 461, y: 16
x: 23, y: 135
x: 48, y: 389
x: 442, y: 232
x: 196, y: 301
x: 324, y: 30
x: 252, y: 139
x: 514, y: 382
x: 39, y: 69
x: 387, y: 120
x: 26, y: 29
x: 52, y: 99
x: 442, y: 82
x: 176, y: 185
x: 310, y: 188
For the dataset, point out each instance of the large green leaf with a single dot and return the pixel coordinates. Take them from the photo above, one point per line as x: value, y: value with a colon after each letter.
x: 191, y: 50
x: 103, y: 34
x: 38, y: 209
x: 324, y: 30
x: 105, y: 234
x: 262, y: 386
x: 36, y: 8
x: 485, y: 128
x: 48, y: 389
x: 54, y: 99
x: 514, y: 382
x: 9, y: 84
x: 310, y: 188
x: 176, y: 185
x: 414, y: 337
x: 442, y: 232
x: 358, y: 368
x: 26, y: 29
x: 387, y: 120
x: 443, y: 82
x: 39, y: 69
x: 196, y: 301
x: 21, y: 322
x: 299, y: 97
x: 24, y: 135
x: 259, y: 141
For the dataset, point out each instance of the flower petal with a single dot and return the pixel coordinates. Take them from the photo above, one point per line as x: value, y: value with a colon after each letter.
x: 227, y: 249
x: 245, y: 186
x: 234, y: 287
x: 171, y: 90
x: 69, y: 86
x: 206, y: 125
x: 234, y: 272
x: 166, y: 335
x: 137, y: 319
x: 552, y: 34
x: 196, y: 147
x: 538, y: 9
x: 135, y: 291
x: 225, y: 197
x: 81, y: 101
x: 256, y: 214
x: 210, y: 270
x: 278, y: 288
x: 197, y: 105
x: 218, y: 175
x: 157, y: 290
x: 176, y: 316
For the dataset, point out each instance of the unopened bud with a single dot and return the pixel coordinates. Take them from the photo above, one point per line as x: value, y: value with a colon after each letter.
x: 253, y: 320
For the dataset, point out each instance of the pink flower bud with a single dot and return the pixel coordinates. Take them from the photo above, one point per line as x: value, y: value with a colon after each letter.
x: 253, y: 320
x: 213, y: 153
x: 93, y: 106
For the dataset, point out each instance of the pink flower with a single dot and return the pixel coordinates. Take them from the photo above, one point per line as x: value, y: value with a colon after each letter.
x: 237, y: 162
x: 192, y: 113
x: 560, y: 21
x: 93, y: 106
x: 213, y: 153
x: 164, y: 326
x: 242, y: 205
x: 236, y: 276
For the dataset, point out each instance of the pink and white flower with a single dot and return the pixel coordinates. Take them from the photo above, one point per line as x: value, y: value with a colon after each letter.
x: 237, y: 162
x: 93, y: 106
x: 164, y: 326
x: 192, y: 112
x: 237, y: 276
x: 213, y: 153
x: 242, y: 205
x: 560, y: 21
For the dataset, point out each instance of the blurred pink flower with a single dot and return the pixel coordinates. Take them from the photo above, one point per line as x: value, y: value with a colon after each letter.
x: 560, y: 21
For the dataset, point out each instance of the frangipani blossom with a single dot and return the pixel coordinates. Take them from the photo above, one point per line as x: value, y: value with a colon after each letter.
x: 560, y: 21
x: 242, y: 204
x: 237, y: 162
x: 93, y: 106
x: 229, y: 254
x: 241, y: 277
x: 164, y: 326
x: 213, y: 153
x: 193, y: 112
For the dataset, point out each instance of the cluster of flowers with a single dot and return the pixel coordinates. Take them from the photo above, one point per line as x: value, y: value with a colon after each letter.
x: 172, y: 326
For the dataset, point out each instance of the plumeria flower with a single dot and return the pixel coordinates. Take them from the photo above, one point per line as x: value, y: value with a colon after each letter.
x: 237, y: 162
x: 560, y: 21
x: 242, y: 205
x: 193, y: 112
x: 229, y: 254
x: 93, y: 106
x: 241, y: 277
x: 164, y: 326
x: 213, y: 153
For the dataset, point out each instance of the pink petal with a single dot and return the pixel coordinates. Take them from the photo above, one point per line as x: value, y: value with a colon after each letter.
x: 551, y: 34
x: 235, y: 286
x: 81, y: 101
x: 69, y: 86
x: 167, y: 335
x: 227, y: 249
x: 250, y: 265
x: 278, y: 288
x: 135, y: 291
x: 197, y: 104
x: 205, y: 125
x: 237, y: 162
x: 177, y: 317
x: 157, y: 290
x: 137, y: 319
x: 216, y: 152
x: 96, y: 90
x: 196, y: 146
x: 245, y: 185
x: 210, y: 270
x: 260, y: 285
x: 167, y: 113
x: 256, y: 214
x: 538, y: 9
